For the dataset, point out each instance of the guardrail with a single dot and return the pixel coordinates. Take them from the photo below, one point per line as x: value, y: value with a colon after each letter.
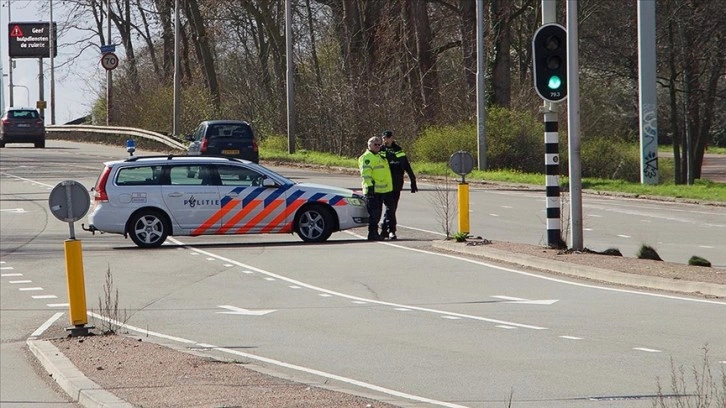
x: 117, y: 130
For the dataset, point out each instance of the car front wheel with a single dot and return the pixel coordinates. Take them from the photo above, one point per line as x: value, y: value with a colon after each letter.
x: 314, y: 224
x: 148, y: 229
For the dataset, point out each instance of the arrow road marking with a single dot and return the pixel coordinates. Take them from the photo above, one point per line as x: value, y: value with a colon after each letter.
x: 510, y: 299
x: 246, y: 312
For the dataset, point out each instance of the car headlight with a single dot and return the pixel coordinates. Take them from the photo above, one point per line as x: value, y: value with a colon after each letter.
x: 355, y: 201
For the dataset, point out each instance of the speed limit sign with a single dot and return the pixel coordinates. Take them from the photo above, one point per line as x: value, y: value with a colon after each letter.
x: 109, y: 61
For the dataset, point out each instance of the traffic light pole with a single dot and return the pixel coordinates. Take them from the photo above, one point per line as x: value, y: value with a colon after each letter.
x: 573, y: 128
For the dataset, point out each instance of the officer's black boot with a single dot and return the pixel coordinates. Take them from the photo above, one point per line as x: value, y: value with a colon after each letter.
x: 374, y: 236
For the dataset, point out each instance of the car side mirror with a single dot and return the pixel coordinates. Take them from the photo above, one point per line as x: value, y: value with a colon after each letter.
x: 268, y: 182
x: 189, y: 138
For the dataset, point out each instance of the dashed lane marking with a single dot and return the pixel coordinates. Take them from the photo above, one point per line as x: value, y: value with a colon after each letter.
x: 647, y: 350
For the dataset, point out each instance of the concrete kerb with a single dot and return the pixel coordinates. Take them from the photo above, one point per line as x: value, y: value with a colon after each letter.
x: 653, y: 282
x: 79, y: 387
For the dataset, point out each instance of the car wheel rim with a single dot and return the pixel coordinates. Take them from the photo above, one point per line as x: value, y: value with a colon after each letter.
x: 149, y: 229
x: 312, y: 225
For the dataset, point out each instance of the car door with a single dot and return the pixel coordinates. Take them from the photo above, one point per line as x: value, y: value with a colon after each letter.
x: 196, y: 139
x: 192, y: 197
x: 251, y: 204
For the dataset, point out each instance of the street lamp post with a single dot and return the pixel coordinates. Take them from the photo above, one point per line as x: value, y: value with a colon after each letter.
x: 27, y: 92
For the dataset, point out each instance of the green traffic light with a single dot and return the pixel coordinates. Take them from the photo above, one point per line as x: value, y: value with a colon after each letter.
x: 554, y: 83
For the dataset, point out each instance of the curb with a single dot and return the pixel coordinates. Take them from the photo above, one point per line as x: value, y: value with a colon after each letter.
x: 583, y: 271
x: 79, y: 387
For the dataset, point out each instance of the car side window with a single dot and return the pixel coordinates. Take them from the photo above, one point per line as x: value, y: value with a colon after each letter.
x: 139, y: 176
x: 197, y: 175
x: 239, y: 176
x: 199, y: 134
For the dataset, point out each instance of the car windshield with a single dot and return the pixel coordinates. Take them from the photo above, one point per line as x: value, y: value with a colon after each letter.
x: 23, y: 114
x: 275, y: 176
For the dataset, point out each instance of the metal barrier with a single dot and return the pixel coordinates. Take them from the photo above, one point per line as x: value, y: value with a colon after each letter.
x: 114, y: 130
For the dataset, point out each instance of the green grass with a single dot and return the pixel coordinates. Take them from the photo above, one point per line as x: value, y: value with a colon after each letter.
x: 702, y: 190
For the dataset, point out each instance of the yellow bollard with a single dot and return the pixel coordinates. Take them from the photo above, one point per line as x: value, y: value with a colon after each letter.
x: 76, y: 284
x: 464, y: 208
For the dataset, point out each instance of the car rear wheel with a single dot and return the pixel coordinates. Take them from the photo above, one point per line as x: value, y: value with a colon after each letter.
x: 314, y: 223
x: 148, y: 229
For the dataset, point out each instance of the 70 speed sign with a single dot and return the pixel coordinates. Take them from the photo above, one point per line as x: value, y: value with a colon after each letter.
x: 109, y: 61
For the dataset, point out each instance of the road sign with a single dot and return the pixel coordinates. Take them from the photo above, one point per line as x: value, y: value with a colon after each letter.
x: 108, y: 48
x: 109, y: 61
x: 461, y: 163
x: 41, y: 104
x: 31, y: 40
x: 69, y: 201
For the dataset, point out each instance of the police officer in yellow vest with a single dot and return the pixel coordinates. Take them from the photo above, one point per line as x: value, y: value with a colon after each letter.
x: 377, y: 184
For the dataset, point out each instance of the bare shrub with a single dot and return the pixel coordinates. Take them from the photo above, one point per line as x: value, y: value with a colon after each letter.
x: 108, y: 307
x: 708, y: 390
x: 443, y: 204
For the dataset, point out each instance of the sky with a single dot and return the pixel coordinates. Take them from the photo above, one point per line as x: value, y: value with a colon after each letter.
x: 77, y: 81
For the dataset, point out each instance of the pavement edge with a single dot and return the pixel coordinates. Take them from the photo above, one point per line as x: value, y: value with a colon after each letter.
x: 583, y: 271
x: 79, y: 387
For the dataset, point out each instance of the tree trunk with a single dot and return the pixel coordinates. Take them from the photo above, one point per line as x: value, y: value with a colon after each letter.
x: 204, y: 50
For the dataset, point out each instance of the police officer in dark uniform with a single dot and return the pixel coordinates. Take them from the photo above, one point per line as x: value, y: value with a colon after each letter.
x: 399, y: 164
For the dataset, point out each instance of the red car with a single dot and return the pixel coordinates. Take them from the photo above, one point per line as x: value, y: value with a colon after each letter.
x: 22, y: 125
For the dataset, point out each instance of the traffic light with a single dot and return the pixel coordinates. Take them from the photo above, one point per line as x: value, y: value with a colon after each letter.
x: 549, y: 53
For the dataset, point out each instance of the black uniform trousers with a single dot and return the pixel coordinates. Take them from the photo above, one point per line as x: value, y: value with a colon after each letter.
x: 389, y: 218
x: 375, y: 208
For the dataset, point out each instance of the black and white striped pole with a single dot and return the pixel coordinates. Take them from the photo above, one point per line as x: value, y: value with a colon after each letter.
x: 552, y: 175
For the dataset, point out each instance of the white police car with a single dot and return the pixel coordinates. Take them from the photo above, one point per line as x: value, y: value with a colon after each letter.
x: 151, y: 197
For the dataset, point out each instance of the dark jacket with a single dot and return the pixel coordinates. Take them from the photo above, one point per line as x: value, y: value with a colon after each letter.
x: 399, y: 163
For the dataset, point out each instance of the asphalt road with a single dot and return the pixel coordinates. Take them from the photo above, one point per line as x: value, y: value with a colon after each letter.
x: 390, y: 318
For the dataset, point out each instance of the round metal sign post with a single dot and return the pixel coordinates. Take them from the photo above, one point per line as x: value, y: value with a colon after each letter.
x: 462, y: 163
x: 69, y: 201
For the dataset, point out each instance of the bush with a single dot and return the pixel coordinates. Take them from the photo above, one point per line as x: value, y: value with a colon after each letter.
x: 698, y: 261
x: 514, y: 141
x: 610, y: 158
x: 647, y: 252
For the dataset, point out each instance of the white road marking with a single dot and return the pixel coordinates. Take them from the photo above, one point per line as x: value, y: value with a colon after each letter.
x: 40, y: 330
x: 269, y: 279
x: 35, y: 289
x: 20, y: 281
x: 279, y: 363
x: 6, y: 268
x: 706, y: 246
x: 648, y: 350
x: 359, y: 302
x: 402, y: 309
x: 624, y: 236
x: 294, y: 287
x: 328, y: 293
x: 501, y: 326
x: 14, y: 210
x: 234, y: 310
x: 228, y: 265
x: 571, y: 338
x: 247, y: 272
x: 57, y: 305
x: 494, y: 215
x: 451, y: 317
x: 510, y: 299
x: 9, y: 275
x: 45, y: 297
x: 211, y: 259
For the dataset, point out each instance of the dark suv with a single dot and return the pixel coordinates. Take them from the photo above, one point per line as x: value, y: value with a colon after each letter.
x: 230, y: 138
x: 22, y: 125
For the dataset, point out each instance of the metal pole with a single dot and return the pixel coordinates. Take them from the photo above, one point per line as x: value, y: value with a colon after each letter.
x: 109, y: 75
x: 573, y: 130
x: 647, y: 92
x: 481, y: 109
x: 177, y: 79
x: 51, y: 49
x: 10, y: 67
x: 291, y: 123
x: 41, y: 86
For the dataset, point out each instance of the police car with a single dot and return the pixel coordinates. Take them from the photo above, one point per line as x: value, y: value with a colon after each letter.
x: 149, y: 198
